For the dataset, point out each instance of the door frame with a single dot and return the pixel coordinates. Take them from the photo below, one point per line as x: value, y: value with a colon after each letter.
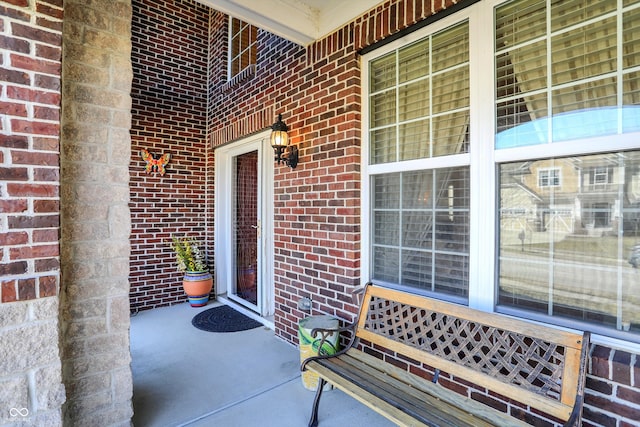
x: 223, y: 217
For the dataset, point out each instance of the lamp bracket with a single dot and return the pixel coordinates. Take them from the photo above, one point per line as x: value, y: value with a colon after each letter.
x: 291, y: 159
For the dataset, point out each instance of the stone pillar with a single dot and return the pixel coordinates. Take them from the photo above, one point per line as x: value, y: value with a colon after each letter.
x: 95, y: 217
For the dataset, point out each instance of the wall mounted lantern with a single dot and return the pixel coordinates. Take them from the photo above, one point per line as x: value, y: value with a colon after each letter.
x: 280, y: 142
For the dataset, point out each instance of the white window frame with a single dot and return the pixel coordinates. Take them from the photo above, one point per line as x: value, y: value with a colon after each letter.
x: 600, y: 172
x: 230, y: 57
x: 553, y: 177
x: 482, y: 157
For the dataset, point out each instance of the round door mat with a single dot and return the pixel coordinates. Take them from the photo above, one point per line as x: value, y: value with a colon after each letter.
x: 223, y: 319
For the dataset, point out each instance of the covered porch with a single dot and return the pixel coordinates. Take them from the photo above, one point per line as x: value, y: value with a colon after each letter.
x: 183, y: 376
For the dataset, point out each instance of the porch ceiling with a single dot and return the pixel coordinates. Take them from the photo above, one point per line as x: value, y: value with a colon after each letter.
x: 301, y: 21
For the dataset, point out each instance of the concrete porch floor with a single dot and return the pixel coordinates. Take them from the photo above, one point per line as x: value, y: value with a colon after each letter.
x: 183, y: 376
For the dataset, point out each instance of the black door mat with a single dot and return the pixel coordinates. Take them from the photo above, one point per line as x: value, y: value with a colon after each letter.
x: 223, y: 319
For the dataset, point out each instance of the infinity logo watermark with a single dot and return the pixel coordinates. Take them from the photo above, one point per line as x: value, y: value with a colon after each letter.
x: 15, y: 412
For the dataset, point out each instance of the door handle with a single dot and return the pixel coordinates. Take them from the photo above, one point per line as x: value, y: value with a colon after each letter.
x: 257, y: 227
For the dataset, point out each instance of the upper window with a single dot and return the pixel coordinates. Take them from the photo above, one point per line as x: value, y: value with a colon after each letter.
x: 242, y: 46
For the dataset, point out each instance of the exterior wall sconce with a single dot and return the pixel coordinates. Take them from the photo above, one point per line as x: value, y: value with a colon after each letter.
x: 280, y: 142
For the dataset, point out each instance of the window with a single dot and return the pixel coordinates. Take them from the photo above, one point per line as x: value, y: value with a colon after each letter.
x: 600, y: 176
x: 517, y: 190
x: 419, y: 109
x: 561, y: 76
x: 242, y: 46
x: 548, y: 178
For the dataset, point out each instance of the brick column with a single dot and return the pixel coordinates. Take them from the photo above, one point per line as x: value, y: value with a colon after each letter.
x: 95, y: 218
x: 31, y: 390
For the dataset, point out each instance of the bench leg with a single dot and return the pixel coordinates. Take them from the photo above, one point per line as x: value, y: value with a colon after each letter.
x: 313, y: 422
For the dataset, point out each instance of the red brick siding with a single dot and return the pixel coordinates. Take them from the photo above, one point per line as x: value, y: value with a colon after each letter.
x: 317, y: 205
x: 169, y: 44
x: 613, y: 389
x: 317, y: 236
x: 30, y: 67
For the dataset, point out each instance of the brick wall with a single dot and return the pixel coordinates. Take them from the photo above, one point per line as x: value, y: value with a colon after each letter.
x: 29, y: 148
x: 169, y: 55
x: 316, y: 205
x: 31, y: 389
x: 317, y: 216
x: 613, y: 389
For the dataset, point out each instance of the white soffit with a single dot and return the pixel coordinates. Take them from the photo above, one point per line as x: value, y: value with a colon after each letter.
x: 301, y: 21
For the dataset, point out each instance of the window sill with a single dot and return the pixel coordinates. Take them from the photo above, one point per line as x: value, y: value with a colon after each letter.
x: 246, y: 74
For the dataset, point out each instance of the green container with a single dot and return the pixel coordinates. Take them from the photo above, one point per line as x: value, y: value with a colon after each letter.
x: 310, y: 346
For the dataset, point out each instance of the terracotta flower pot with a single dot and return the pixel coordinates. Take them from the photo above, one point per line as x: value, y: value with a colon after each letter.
x: 197, y: 285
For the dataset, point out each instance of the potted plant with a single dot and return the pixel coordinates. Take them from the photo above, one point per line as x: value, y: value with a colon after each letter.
x: 197, y: 281
x: 246, y: 271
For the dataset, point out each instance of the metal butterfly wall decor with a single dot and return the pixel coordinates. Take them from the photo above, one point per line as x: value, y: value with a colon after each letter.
x: 155, y: 162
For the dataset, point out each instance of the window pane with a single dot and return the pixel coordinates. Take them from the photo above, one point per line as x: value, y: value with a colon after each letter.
x: 520, y: 21
x: 451, y: 48
x: 570, y: 238
x: 386, y: 191
x: 414, y: 61
x: 451, y: 274
x: 386, y: 228
x: 382, y: 73
x: 450, y: 134
x: 417, y: 269
x: 417, y: 229
x: 587, y: 52
x: 415, y: 137
x: 593, y: 105
x: 414, y: 100
x: 385, y: 264
x: 565, y: 13
x: 631, y: 38
x: 417, y: 190
x: 243, y: 46
x: 383, y: 145
x: 580, y: 97
x: 451, y: 90
x: 383, y: 108
x: 524, y: 70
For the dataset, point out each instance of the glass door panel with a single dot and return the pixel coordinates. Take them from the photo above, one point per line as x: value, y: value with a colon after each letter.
x: 246, y: 226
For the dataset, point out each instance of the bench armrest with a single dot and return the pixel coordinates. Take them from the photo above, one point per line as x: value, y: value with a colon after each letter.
x: 575, y: 419
x: 324, y: 335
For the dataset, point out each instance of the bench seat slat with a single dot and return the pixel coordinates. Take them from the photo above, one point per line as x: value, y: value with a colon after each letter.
x: 439, y: 392
x: 431, y: 404
x: 386, y: 401
x: 416, y: 404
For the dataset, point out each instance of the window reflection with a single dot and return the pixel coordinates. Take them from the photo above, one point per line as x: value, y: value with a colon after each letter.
x: 570, y: 238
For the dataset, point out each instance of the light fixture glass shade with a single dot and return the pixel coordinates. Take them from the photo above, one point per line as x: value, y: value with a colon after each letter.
x: 279, y: 138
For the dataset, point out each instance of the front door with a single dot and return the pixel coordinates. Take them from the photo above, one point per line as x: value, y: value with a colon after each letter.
x: 243, y: 212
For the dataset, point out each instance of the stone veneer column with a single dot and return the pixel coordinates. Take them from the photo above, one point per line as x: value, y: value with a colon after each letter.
x: 95, y: 217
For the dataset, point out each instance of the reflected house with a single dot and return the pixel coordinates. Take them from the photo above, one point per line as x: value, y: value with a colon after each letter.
x: 587, y: 195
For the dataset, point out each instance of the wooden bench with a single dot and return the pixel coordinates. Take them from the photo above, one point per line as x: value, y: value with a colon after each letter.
x: 541, y: 368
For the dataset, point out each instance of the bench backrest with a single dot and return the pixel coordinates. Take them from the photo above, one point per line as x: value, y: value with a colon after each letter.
x: 536, y: 365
